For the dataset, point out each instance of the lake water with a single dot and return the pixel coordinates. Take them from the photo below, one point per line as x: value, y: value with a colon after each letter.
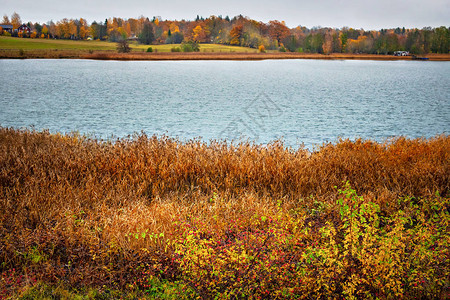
x: 300, y: 101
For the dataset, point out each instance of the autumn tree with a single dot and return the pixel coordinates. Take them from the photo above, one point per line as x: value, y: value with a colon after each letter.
x: 175, y: 37
x: 278, y: 31
x: 328, y: 42
x: 217, y: 28
x: 66, y: 29
x: 128, y: 29
x: 44, y: 30
x: 15, y: 20
x: 199, y: 35
x: 112, y: 25
x: 246, y: 32
x: 6, y: 20
x: 360, y: 45
x: 236, y: 35
x: 82, y: 28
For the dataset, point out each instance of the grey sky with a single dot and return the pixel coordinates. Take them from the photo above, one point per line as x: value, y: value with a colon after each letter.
x: 373, y: 14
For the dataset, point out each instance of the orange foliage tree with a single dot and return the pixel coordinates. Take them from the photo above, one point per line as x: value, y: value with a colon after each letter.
x: 278, y: 31
x: 236, y: 35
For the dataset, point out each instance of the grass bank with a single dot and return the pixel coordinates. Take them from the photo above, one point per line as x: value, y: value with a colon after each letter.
x: 48, y: 48
x: 27, y: 44
x: 152, y: 216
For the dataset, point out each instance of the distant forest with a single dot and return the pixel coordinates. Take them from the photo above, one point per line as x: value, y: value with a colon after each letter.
x: 241, y: 31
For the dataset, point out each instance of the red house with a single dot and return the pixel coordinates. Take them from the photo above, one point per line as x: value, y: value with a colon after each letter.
x: 24, y: 29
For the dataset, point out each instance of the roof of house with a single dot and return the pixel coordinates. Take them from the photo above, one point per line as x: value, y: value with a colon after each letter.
x: 4, y: 26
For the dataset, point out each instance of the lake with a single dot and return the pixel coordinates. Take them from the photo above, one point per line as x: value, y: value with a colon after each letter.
x: 300, y: 101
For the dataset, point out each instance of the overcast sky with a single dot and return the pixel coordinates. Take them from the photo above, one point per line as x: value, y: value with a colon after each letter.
x: 373, y: 14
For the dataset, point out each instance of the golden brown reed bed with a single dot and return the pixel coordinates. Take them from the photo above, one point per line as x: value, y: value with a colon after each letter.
x: 112, y: 55
x: 41, y: 53
x: 251, y: 56
x: 71, y: 196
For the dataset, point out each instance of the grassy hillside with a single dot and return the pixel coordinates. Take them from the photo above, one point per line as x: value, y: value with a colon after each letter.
x: 51, y: 44
x: 152, y: 216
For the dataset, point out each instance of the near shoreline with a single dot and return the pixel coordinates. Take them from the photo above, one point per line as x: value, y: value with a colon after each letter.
x: 112, y: 55
x: 158, y: 218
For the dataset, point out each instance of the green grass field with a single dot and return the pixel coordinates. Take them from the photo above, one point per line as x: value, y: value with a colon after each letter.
x: 52, y: 44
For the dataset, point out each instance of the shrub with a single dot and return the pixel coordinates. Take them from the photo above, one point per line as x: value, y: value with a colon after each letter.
x: 282, y: 49
x: 262, y: 49
x: 123, y: 46
x: 149, y: 49
x: 175, y: 49
x: 363, y: 255
x: 190, y: 46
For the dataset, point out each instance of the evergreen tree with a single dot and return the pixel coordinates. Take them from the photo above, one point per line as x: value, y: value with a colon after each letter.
x: 147, y: 36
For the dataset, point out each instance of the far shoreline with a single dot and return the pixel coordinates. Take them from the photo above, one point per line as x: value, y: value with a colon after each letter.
x: 175, y: 56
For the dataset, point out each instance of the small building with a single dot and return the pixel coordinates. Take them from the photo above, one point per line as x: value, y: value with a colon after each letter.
x: 7, y: 28
x: 24, y: 29
x: 401, y: 53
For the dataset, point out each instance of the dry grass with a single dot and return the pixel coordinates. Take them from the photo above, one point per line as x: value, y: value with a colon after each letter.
x: 44, y: 53
x: 78, y: 200
x: 252, y: 56
x: 113, y: 55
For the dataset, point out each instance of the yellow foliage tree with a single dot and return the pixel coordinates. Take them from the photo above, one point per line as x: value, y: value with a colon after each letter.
x: 174, y: 28
x: 84, y: 30
x: 15, y: 20
x: 83, y: 33
x: 44, y: 30
x: 199, y: 34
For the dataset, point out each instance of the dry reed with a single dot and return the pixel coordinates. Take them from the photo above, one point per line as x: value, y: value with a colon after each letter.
x: 71, y: 196
x: 112, y: 55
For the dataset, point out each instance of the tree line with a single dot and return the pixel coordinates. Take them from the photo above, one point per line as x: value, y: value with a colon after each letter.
x: 243, y: 31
